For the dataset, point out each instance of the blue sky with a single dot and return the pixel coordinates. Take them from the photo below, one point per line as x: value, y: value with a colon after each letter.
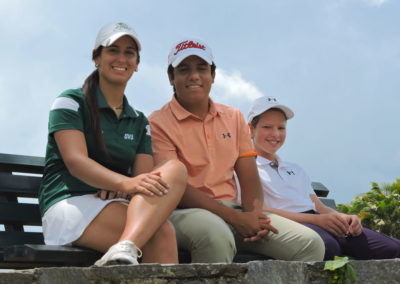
x: 336, y: 63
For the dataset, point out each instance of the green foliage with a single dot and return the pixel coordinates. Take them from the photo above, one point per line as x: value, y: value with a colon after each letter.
x: 341, y: 271
x: 378, y: 209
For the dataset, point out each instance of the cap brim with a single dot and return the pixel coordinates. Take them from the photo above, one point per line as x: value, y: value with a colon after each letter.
x: 116, y: 36
x: 287, y: 111
x: 189, y: 52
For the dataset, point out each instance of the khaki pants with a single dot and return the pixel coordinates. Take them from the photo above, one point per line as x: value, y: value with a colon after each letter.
x: 210, y: 239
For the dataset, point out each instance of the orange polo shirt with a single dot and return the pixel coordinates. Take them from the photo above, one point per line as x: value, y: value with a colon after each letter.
x: 209, y: 148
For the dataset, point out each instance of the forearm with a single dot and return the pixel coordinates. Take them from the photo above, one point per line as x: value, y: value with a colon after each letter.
x: 252, y: 199
x: 73, y: 149
x: 94, y: 174
x: 194, y: 198
x: 251, y: 190
x: 298, y: 217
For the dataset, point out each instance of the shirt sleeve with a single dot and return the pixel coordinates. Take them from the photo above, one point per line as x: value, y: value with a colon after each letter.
x: 307, y: 183
x: 303, y: 181
x: 163, y: 147
x: 65, y: 113
x: 246, y: 148
x: 145, y: 146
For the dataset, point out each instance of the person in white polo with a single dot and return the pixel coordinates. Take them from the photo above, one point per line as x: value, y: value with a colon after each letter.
x: 288, y: 192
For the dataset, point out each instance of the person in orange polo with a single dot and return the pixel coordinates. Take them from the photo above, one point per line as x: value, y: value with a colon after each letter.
x: 213, y: 141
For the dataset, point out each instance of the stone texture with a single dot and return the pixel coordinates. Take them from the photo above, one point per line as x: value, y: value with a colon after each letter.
x: 20, y: 277
x: 270, y: 271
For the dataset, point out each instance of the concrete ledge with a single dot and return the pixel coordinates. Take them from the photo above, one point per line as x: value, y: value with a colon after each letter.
x: 270, y: 271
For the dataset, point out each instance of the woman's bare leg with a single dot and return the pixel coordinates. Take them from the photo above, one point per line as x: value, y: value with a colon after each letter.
x: 162, y: 247
x: 143, y: 217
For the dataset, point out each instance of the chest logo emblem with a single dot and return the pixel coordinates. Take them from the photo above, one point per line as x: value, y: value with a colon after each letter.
x: 128, y: 136
x: 226, y: 135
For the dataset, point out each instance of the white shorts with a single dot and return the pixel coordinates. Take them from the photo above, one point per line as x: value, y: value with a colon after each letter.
x: 65, y: 221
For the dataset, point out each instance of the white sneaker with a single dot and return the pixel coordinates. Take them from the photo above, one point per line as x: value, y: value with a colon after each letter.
x: 124, y: 252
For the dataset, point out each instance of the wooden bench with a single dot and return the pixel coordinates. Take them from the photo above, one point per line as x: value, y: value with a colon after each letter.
x: 22, y: 247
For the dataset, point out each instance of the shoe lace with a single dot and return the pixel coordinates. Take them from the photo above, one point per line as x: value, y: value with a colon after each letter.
x: 139, y: 252
x: 128, y: 248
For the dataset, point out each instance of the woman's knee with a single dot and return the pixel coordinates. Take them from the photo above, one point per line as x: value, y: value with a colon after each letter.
x: 175, y: 166
x: 176, y: 169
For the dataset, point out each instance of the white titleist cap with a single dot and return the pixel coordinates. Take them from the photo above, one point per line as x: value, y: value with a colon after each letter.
x: 187, y: 47
x: 109, y: 33
x: 263, y: 104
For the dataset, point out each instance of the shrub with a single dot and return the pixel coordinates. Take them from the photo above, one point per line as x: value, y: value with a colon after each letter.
x: 378, y: 209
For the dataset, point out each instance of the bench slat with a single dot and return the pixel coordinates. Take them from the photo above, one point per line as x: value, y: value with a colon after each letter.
x: 61, y: 255
x: 13, y: 238
x: 320, y: 189
x: 21, y: 163
x: 20, y: 213
x: 328, y: 202
x: 25, y: 186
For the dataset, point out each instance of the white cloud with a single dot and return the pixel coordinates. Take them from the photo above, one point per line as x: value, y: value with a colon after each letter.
x: 376, y: 3
x: 233, y: 86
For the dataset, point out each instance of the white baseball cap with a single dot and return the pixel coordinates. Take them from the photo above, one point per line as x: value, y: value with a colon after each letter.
x: 187, y: 47
x: 263, y: 104
x: 109, y: 33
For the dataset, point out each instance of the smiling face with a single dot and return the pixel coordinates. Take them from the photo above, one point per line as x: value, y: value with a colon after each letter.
x: 192, y: 80
x: 269, y: 134
x: 118, y: 61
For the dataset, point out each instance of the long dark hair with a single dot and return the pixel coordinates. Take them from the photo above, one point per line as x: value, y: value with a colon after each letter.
x: 89, y: 90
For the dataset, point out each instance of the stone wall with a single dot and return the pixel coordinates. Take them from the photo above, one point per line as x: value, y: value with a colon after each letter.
x: 270, y: 271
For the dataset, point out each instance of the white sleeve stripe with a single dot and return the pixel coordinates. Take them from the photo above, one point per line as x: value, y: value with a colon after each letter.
x: 65, y: 103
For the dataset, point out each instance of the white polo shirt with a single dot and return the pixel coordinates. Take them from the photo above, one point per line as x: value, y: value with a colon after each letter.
x: 285, y: 187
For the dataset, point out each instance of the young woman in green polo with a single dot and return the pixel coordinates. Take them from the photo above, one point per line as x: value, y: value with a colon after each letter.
x: 100, y: 189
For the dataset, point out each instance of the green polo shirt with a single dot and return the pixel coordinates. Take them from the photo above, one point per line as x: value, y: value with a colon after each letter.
x: 124, y: 137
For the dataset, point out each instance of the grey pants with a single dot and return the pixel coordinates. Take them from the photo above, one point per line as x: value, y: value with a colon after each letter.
x: 209, y: 239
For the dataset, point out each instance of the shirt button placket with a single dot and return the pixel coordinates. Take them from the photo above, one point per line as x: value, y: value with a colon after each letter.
x: 207, y: 134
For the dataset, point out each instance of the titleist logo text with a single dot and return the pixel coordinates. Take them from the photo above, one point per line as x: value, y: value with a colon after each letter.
x: 188, y: 44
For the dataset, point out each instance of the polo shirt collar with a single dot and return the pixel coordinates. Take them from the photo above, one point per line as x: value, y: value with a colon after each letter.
x: 181, y: 113
x: 102, y: 103
x: 261, y: 161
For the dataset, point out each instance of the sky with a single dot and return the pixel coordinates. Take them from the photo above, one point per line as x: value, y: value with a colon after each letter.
x: 336, y: 63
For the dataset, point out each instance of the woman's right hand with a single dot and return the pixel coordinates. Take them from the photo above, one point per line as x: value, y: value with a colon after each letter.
x: 149, y: 184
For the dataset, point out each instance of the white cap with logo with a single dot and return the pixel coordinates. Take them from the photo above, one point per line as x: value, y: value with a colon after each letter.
x: 109, y: 33
x: 187, y: 47
x: 263, y: 104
